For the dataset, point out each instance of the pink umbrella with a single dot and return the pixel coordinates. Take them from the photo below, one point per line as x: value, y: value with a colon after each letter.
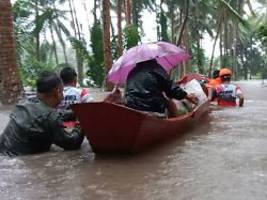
x: 166, y: 54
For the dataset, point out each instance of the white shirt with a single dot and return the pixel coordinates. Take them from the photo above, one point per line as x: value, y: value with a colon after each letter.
x: 74, y: 95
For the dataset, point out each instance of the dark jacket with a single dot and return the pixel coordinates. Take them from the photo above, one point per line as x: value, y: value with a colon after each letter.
x: 33, y: 127
x: 145, y: 86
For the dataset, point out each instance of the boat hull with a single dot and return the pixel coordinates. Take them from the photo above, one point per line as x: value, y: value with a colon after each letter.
x: 113, y: 128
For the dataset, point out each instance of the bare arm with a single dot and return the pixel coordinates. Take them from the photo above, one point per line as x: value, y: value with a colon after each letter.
x: 241, y: 100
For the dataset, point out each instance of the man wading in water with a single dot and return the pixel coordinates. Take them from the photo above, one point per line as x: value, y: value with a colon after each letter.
x: 34, y: 123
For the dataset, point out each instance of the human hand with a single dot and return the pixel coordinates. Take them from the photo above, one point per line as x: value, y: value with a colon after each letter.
x: 192, y: 98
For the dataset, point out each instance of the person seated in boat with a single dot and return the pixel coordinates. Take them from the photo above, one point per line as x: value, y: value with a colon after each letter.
x: 115, y: 96
x: 71, y: 93
x: 227, y: 92
x: 146, y: 85
x: 35, y: 124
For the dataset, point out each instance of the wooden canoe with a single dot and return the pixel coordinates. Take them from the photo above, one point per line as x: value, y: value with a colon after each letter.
x: 114, y: 128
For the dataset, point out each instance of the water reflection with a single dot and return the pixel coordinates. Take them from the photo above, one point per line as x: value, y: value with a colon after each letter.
x: 224, y: 157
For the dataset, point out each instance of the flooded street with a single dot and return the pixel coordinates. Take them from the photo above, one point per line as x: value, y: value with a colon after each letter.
x: 224, y: 157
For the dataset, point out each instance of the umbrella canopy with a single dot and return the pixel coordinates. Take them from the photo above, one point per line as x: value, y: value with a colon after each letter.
x: 166, y: 54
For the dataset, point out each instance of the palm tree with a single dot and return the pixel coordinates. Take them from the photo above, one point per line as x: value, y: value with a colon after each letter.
x: 227, y: 18
x: 184, y: 13
x: 128, y: 15
x: 106, y: 35
x: 10, y: 83
x: 137, y: 6
x: 119, y: 19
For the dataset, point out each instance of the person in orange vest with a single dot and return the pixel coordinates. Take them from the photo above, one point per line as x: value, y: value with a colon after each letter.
x: 216, y: 80
x: 212, y: 84
x: 227, y: 92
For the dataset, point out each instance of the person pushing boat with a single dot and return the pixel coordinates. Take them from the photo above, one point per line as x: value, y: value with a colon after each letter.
x: 35, y: 124
x: 227, y: 92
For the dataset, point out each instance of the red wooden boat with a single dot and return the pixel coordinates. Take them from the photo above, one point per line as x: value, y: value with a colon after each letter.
x: 114, y: 128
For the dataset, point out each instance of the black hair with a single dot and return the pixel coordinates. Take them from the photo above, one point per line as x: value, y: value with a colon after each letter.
x: 47, y: 81
x: 216, y: 73
x: 145, y: 65
x: 67, y: 75
x: 226, y: 77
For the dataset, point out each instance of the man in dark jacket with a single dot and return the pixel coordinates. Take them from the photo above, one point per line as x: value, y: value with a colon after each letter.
x: 34, y: 123
x: 146, y: 85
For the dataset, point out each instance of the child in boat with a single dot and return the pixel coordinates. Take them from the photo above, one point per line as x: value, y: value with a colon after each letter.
x: 71, y: 93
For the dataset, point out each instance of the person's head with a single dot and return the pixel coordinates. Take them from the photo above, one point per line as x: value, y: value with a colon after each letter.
x: 68, y: 76
x: 225, y: 75
x: 49, y: 88
x: 216, y: 73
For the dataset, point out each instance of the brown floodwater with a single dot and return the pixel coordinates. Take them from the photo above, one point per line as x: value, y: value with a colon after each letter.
x: 223, y: 157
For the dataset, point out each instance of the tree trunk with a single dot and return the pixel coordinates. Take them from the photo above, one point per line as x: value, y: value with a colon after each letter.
x: 128, y: 17
x: 78, y: 58
x: 54, y: 43
x: 37, y: 34
x: 199, y: 56
x: 94, y: 11
x: 235, y: 52
x: 106, y: 36
x: 187, y: 45
x: 214, y: 45
x: 225, y: 43
x: 158, y: 23
x: 135, y: 12
x: 120, y: 43
x: 10, y: 83
x: 172, y: 21
x: 87, y: 13
x: 184, y: 23
x: 76, y: 20
x: 72, y: 18
x: 61, y: 41
x: 221, y: 49
x: 63, y: 45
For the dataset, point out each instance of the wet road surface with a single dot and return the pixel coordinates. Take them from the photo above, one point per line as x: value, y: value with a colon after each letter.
x: 224, y: 157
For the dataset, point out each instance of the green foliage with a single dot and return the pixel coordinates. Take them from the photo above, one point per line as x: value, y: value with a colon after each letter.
x: 114, y: 48
x: 30, y: 19
x: 227, y: 60
x: 252, y: 60
x: 164, y: 27
x: 137, y: 7
x: 80, y: 48
x: 30, y: 66
x: 21, y: 9
x: 131, y: 36
x: 198, y: 60
x: 263, y: 33
x: 96, y: 61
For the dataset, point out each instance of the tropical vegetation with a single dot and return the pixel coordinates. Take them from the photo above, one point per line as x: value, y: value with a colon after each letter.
x: 49, y: 34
